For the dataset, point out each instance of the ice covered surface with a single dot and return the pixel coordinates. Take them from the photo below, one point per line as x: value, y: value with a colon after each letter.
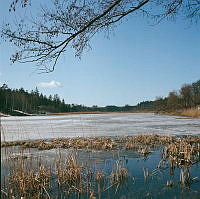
x: 38, y: 127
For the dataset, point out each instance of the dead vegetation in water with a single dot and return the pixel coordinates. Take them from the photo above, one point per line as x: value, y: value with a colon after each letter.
x: 28, y: 180
x: 24, y: 182
x: 71, y: 177
x: 96, y: 143
x: 183, y: 151
x: 152, y: 140
x: 144, y: 143
x: 119, y: 173
x: 68, y: 178
x: 69, y: 172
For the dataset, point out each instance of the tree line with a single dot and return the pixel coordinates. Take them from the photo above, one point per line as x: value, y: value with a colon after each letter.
x: 63, y: 24
x: 34, y: 102
x: 188, y: 96
x: 30, y: 102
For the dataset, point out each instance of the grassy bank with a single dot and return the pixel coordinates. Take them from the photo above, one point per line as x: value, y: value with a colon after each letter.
x: 192, y: 113
x: 98, y: 112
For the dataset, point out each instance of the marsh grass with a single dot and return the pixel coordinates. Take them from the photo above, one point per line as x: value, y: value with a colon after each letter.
x: 27, y: 181
x: 68, y: 176
x: 69, y: 173
x: 119, y: 173
x: 183, y: 151
x: 97, y: 143
x: 195, y: 113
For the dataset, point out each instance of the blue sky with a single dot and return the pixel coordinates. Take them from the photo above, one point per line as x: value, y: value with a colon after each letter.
x: 139, y: 62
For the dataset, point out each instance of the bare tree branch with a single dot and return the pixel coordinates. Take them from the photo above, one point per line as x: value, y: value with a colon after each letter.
x: 72, y: 24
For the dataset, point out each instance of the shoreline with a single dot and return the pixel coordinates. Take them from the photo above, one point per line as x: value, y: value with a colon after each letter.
x: 98, y: 112
x: 4, y: 115
x: 187, y: 113
x: 77, y: 113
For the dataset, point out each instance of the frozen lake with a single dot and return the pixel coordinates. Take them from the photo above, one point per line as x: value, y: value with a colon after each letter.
x: 117, y: 124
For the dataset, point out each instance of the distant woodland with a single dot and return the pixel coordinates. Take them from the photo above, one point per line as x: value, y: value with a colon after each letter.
x: 188, y: 96
x: 35, y: 102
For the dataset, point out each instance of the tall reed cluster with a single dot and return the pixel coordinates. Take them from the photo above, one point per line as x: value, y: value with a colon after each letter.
x: 26, y: 181
x: 29, y: 178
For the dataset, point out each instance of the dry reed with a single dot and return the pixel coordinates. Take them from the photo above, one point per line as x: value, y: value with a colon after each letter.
x: 195, y: 113
x: 27, y: 181
x: 119, y: 173
x: 24, y: 182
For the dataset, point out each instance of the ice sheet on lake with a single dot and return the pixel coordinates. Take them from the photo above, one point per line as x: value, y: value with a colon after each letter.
x: 41, y: 127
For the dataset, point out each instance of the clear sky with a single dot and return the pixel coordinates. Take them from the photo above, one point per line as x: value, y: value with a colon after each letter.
x: 139, y: 62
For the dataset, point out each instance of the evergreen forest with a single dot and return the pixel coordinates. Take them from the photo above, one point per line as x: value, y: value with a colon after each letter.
x: 34, y: 102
